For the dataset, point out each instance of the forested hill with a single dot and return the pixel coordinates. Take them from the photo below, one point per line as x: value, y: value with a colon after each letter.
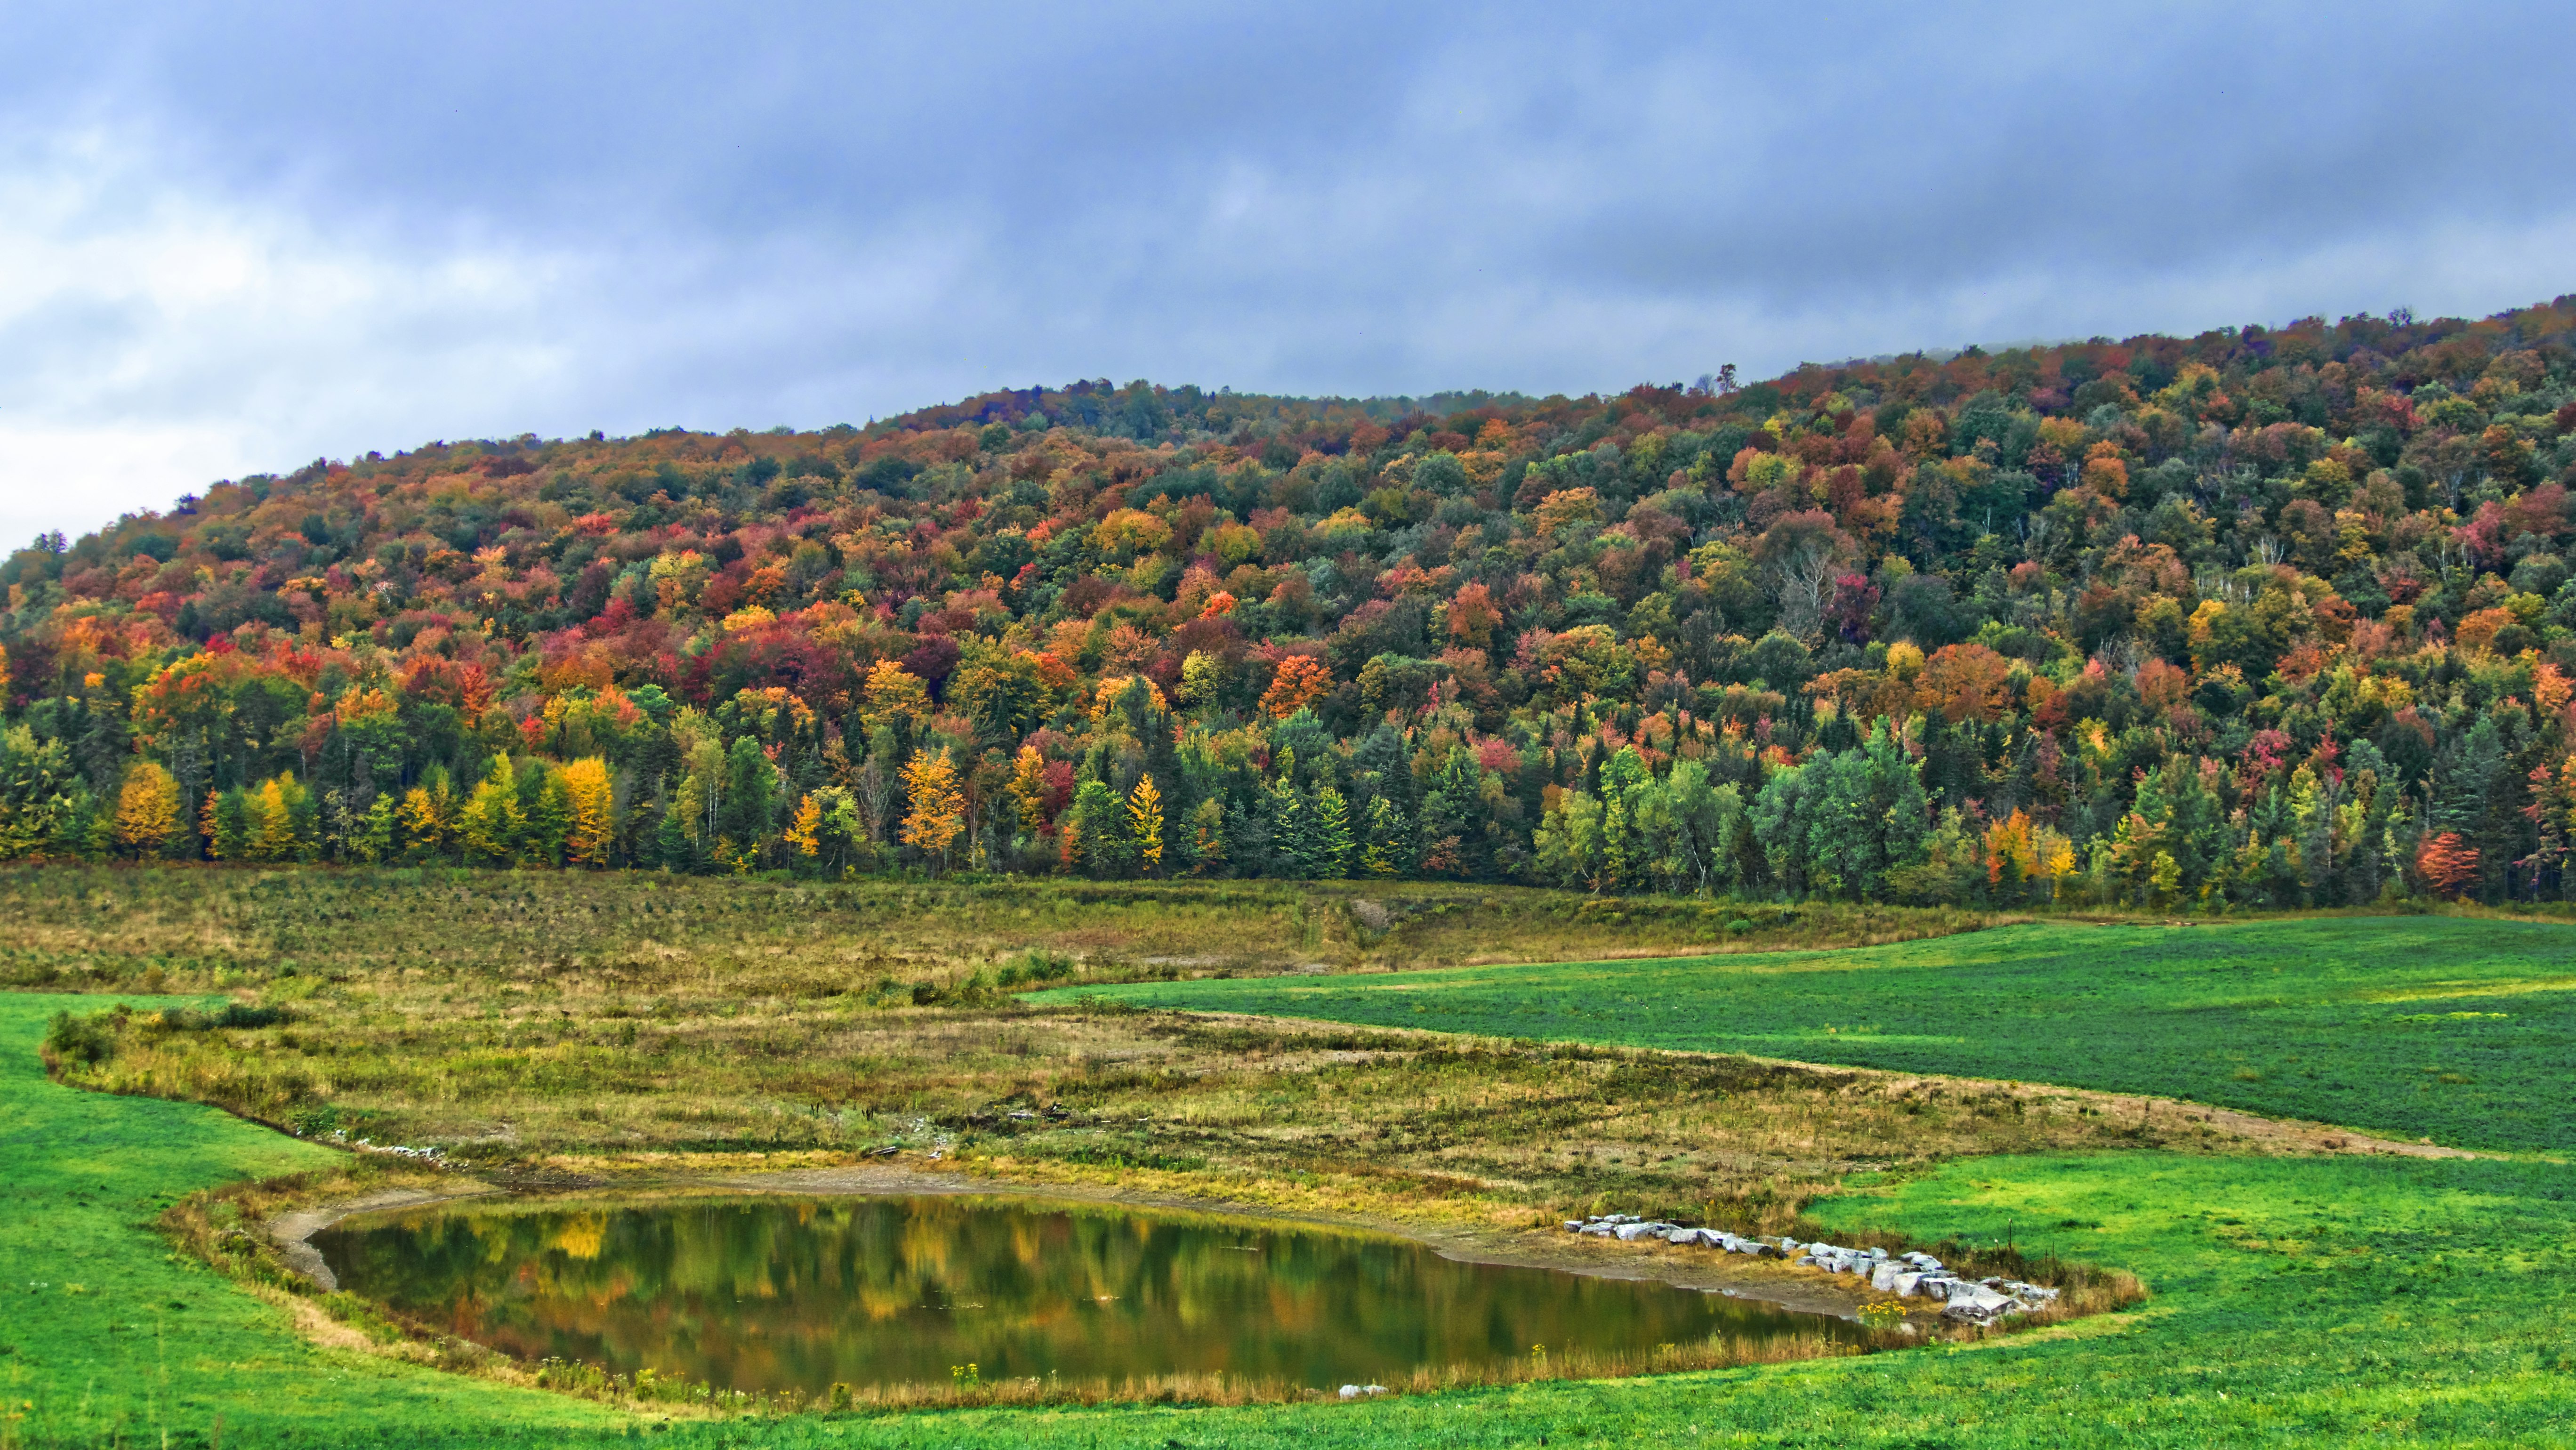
x: 2259, y: 617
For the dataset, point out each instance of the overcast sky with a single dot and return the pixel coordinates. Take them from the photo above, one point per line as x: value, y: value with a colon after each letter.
x: 234, y: 238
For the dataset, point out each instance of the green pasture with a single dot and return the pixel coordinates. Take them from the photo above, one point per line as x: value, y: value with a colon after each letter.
x: 2297, y: 1301
x: 2462, y: 1030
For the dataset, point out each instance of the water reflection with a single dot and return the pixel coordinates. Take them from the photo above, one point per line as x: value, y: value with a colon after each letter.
x: 775, y: 1293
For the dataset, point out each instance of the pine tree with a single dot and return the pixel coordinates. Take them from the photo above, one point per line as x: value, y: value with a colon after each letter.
x: 938, y: 809
x: 2447, y: 863
x: 592, y: 835
x: 1145, y: 823
x: 1207, y: 838
x: 1330, y: 833
x: 1385, y: 853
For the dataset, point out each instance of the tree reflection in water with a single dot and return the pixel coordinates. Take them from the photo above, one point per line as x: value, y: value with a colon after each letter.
x: 772, y: 1293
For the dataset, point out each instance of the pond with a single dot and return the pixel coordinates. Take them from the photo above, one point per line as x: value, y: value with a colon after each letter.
x: 776, y: 1293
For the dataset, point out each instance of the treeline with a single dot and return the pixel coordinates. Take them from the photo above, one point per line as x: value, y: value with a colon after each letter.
x: 2258, y: 617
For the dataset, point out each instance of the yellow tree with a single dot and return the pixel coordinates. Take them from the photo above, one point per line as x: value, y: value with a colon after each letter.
x: 427, y: 817
x: 938, y: 807
x: 805, y: 832
x: 1028, y: 787
x: 272, y: 823
x: 147, y: 810
x: 493, y: 820
x: 594, y: 825
x: 893, y: 697
x: 1145, y: 817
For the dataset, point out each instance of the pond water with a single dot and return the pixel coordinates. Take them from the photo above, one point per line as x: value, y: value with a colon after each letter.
x: 773, y: 1293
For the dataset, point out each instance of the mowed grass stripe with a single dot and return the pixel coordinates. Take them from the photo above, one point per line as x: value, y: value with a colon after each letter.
x: 2460, y: 1030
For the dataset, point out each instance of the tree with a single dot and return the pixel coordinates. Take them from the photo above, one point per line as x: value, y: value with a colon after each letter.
x: 1330, y: 835
x: 427, y: 819
x: 493, y: 823
x: 1029, y: 787
x: 2447, y: 863
x: 1965, y: 682
x: 1088, y: 837
x: 893, y: 698
x: 1145, y: 823
x: 1207, y: 838
x: 1001, y: 691
x: 1300, y: 682
x: 1385, y: 852
x: 805, y: 829
x: 147, y: 810
x: 750, y: 797
x: 592, y: 835
x: 938, y: 810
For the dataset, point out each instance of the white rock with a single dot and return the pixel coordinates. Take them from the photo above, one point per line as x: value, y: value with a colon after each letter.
x: 1979, y: 1306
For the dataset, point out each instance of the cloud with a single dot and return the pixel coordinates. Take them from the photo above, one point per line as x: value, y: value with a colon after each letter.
x: 234, y: 240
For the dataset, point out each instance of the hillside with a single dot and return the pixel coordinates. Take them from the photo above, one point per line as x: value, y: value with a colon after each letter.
x: 2259, y: 617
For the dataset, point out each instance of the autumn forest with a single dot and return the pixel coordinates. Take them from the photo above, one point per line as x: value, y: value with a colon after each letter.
x: 2258, y: 618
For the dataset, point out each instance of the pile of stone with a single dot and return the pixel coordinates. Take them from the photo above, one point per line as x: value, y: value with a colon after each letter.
x: 1907, y: 1275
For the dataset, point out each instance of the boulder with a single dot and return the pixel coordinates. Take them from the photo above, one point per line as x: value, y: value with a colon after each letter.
x: 1903, y: 1284
x: 1631, y: 1232
x: 1979, y: 1305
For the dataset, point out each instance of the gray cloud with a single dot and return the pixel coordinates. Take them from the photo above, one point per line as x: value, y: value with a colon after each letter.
x: 242, y: 236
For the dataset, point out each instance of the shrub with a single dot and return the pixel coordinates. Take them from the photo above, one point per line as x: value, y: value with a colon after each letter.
x: 88, y: 1040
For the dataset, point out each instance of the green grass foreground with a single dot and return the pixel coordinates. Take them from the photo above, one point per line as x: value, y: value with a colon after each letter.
x: 2298, y: 1301
x: 2458, y: 1029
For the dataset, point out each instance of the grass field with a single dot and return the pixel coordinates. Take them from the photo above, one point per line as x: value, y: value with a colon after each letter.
x: 2458, y: 1029
x: 2298, y: 1300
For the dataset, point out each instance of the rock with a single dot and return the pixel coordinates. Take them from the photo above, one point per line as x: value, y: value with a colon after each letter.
x: 1883, y: 1278
x: 1353, y: 1392
x: 1631, y: 1232
x: 1979, y: 1306
x: 1573, y: 1227
x: 1682, y: 1236
x: 1905, y: 1283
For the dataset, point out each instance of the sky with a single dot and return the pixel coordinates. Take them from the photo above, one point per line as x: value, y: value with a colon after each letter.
x: 237, y: 238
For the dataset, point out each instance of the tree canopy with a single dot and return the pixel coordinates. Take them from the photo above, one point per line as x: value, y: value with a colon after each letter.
x: 2263, y: 616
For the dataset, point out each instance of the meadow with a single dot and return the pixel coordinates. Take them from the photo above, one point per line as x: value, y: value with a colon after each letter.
x: 2415, y: 1026
x: 2298, y: 1297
